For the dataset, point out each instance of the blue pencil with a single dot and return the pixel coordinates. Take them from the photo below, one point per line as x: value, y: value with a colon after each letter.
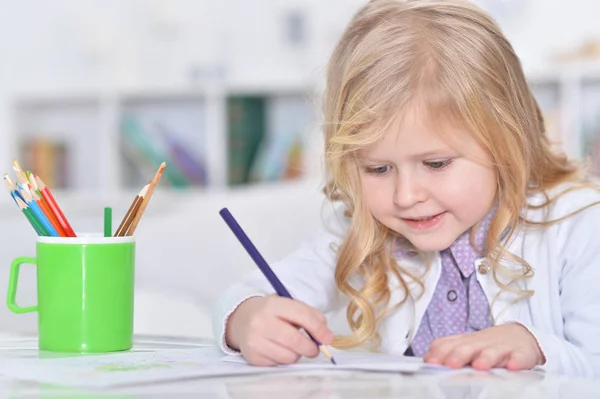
x: 264, y: 267
x: 38, y: 213
x: 12, y: 188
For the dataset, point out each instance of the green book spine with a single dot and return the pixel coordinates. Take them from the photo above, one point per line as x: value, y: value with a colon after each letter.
x: 246, y: 117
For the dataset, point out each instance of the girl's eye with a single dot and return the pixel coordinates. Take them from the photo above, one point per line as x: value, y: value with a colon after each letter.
x: 379, y: 170
x: 438, y: 165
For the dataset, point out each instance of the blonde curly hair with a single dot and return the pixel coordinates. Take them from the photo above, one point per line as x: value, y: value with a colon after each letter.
x: 454, y: 59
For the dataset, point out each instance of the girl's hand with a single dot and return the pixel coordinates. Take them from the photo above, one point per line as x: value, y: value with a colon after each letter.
x: 509, y: 346
x: 266, y: 330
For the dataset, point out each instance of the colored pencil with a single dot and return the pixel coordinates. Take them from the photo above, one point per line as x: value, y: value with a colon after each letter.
x: 131, y: 212
x: 21, y: 178
x: 33, y: 183
x: 17, y: 197
x: 140, y: 212
x: 29, y: 215
x: 47, y: 211
x: 38, y: 213
x: 49, y: 198
x: 264, y: 267
x: 37, y: 196
x: 12, y: 188
x: 107, y: 222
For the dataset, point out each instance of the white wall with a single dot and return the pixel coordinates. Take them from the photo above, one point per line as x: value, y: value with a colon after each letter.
x: 74, y: 44
x: 81, y: 45
x: 69, y: 44
x: 539, y: 28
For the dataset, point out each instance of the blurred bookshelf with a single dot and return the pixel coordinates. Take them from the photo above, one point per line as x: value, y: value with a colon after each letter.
x: 108, y: 144
x: 104, y: 144
x: 569, y: 97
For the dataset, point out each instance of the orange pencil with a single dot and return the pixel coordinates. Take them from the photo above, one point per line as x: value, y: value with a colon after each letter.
x: 140, y: 212
x: 49, y: 198
x: 37, y: 197
x: 48, y: 212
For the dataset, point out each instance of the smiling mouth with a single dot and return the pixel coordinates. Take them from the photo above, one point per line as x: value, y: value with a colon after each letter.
x: 425, y: 223
x: 423, y: 218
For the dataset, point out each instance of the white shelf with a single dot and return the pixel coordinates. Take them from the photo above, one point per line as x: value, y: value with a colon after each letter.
x: 567, y: 95
x: 198, y: 115
x: 266, y: 87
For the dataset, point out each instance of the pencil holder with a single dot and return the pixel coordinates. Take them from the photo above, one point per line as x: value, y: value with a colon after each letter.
x: 85, y: 289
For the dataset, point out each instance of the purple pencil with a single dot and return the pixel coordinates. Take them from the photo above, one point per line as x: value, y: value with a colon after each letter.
x: 264, y: 267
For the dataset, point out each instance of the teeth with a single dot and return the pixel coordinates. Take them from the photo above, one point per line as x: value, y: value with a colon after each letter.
x: 424, y: 218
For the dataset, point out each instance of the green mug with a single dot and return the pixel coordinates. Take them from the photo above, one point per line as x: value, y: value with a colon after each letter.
x: 85, y: 291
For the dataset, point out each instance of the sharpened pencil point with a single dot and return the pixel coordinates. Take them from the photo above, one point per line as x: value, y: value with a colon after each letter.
x: 324, y: 350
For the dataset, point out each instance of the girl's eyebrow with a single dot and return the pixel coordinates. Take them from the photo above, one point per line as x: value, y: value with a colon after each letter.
x: 365, y: 158
x: 374, y: 161
x: 436, y: 152
x: 439, y: 152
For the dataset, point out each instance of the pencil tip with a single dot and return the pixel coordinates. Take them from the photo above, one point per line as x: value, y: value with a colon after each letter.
x: 324, y: 350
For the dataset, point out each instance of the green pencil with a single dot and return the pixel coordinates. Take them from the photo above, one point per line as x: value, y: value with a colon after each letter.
x: 38, y: 227
x: 107, y: 222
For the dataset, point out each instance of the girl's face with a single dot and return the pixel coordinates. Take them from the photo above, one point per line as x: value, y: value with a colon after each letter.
x: 419, y: 186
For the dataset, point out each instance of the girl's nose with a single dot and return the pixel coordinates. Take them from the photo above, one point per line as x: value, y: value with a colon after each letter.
x: 408, y: 191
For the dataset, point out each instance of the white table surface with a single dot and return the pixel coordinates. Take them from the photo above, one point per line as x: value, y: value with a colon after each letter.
x: 308, y: 384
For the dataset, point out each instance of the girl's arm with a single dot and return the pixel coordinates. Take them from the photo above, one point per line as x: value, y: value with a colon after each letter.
x: 579, y: 284
x: 307, y: 273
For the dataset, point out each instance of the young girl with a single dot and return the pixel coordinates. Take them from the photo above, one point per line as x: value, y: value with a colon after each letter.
x: 464, y: 239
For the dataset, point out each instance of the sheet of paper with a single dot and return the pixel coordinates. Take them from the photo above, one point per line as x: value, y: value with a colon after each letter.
x: 127, y: 368
x: 132, y: 368
x: 355, y: 360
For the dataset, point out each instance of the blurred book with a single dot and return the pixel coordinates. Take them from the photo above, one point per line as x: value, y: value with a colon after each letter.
x: 295, y: 161
x: 246, y: 129
x: 144, y: 155
x: 282, y: 152
x: 191, y: 165
x: 47, y: 158
x: 281, y: 158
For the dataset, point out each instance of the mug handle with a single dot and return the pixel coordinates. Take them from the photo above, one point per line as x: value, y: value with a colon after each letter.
x: 13, y: 282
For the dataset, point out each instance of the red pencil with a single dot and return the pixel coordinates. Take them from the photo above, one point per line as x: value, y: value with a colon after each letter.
x: 47, y: 195
x: 49, y: 214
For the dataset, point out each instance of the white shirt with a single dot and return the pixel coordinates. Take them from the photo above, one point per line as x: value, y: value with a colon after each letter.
x: 563, y: 314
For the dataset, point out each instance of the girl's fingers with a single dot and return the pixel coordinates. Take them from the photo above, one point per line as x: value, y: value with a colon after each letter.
x: 304, y: 316
x: 462, y: 355
x: 278, y: 353
x: 518, y: 361
x: 440, y: 349
x: 488, y: 349
x: 258, y: 360
x: 291, y: 338
x: 258, y: 351
x: 490, y: 357
x: 265, y: 352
